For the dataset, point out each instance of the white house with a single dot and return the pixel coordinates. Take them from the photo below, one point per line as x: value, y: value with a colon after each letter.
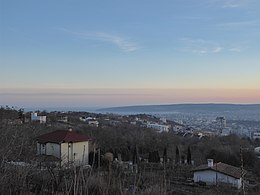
x: 67, y: 145
x: 257, y: 150
x: 63, y: 119
x: 217, y: 174
x: 35, y: 117
x: 90, y: 120
x: 93, y: 122
x: 256, y: 135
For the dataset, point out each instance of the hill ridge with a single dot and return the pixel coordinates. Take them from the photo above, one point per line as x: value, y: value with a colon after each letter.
x: 213, y: 107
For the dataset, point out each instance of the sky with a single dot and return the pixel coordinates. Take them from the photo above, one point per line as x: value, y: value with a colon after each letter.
x: 98, y: 53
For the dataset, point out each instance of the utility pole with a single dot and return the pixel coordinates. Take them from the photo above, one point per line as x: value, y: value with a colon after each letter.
x: 216, y: 173
x: 98, y: 158
x: 242, y: 169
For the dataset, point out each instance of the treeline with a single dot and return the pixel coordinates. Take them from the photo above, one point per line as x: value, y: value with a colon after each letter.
x: 125, y: 138
x: 10, y: 113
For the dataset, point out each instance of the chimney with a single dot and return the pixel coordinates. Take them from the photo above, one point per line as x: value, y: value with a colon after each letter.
x: 70, y: 129
x: 210, y: 162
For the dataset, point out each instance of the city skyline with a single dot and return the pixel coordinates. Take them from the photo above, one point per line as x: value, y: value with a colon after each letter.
x: 113, y: 53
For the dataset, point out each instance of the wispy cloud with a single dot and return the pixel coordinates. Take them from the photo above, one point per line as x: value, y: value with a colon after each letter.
x: 122, y: 43
x: 240, y: 24
x: 200, y: 46
x: 232, y: 4
x: 235, y: 49
x: 239, y: 47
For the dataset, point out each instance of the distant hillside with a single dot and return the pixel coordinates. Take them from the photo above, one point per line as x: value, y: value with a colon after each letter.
x: 191, y: 108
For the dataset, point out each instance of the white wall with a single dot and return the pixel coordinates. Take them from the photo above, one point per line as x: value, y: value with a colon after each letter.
x: 75, y: 152
x: 35, y: 117
x: 81, y: 151
x: 256, y: 135
x: 64, y: 153
x: 48, y: 149
x: 210, y: 176
x: 53, y: 149
x: 68, y: 152
x: 42, y: 119
x: 257, y: 150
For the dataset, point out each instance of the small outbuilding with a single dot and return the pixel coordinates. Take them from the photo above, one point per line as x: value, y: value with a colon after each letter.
x: 67, y: 145
x: 217, y: 174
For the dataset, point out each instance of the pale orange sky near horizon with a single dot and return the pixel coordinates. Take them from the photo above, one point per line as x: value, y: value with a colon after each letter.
x: 123, y: 97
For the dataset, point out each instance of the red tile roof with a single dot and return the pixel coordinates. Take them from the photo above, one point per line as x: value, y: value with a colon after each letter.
x: 61, y: 136
x: 222, y: 168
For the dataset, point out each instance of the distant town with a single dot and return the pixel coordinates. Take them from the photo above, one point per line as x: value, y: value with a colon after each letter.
x: 219, y: 119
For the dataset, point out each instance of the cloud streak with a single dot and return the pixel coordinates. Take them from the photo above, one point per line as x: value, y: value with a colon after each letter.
x: 238, y: 49
x: 200, y: 46
x: 122, y: 43
x: 234, y: 4
x: 238, y: 25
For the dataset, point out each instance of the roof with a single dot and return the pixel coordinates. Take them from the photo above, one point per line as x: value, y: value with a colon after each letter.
x: 221, y: 168
x: 61, y: 136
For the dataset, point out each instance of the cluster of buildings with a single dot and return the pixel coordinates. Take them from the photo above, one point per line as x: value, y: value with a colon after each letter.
x: 217, y: 126
x: 92, y: 121
x: 158, y: 124
x: 241, y: 131
x: 23, y: 119
x: 159, y: 127
x: 35, y: 117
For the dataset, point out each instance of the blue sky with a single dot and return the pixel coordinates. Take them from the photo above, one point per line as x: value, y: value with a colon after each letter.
x: 116, y: 45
